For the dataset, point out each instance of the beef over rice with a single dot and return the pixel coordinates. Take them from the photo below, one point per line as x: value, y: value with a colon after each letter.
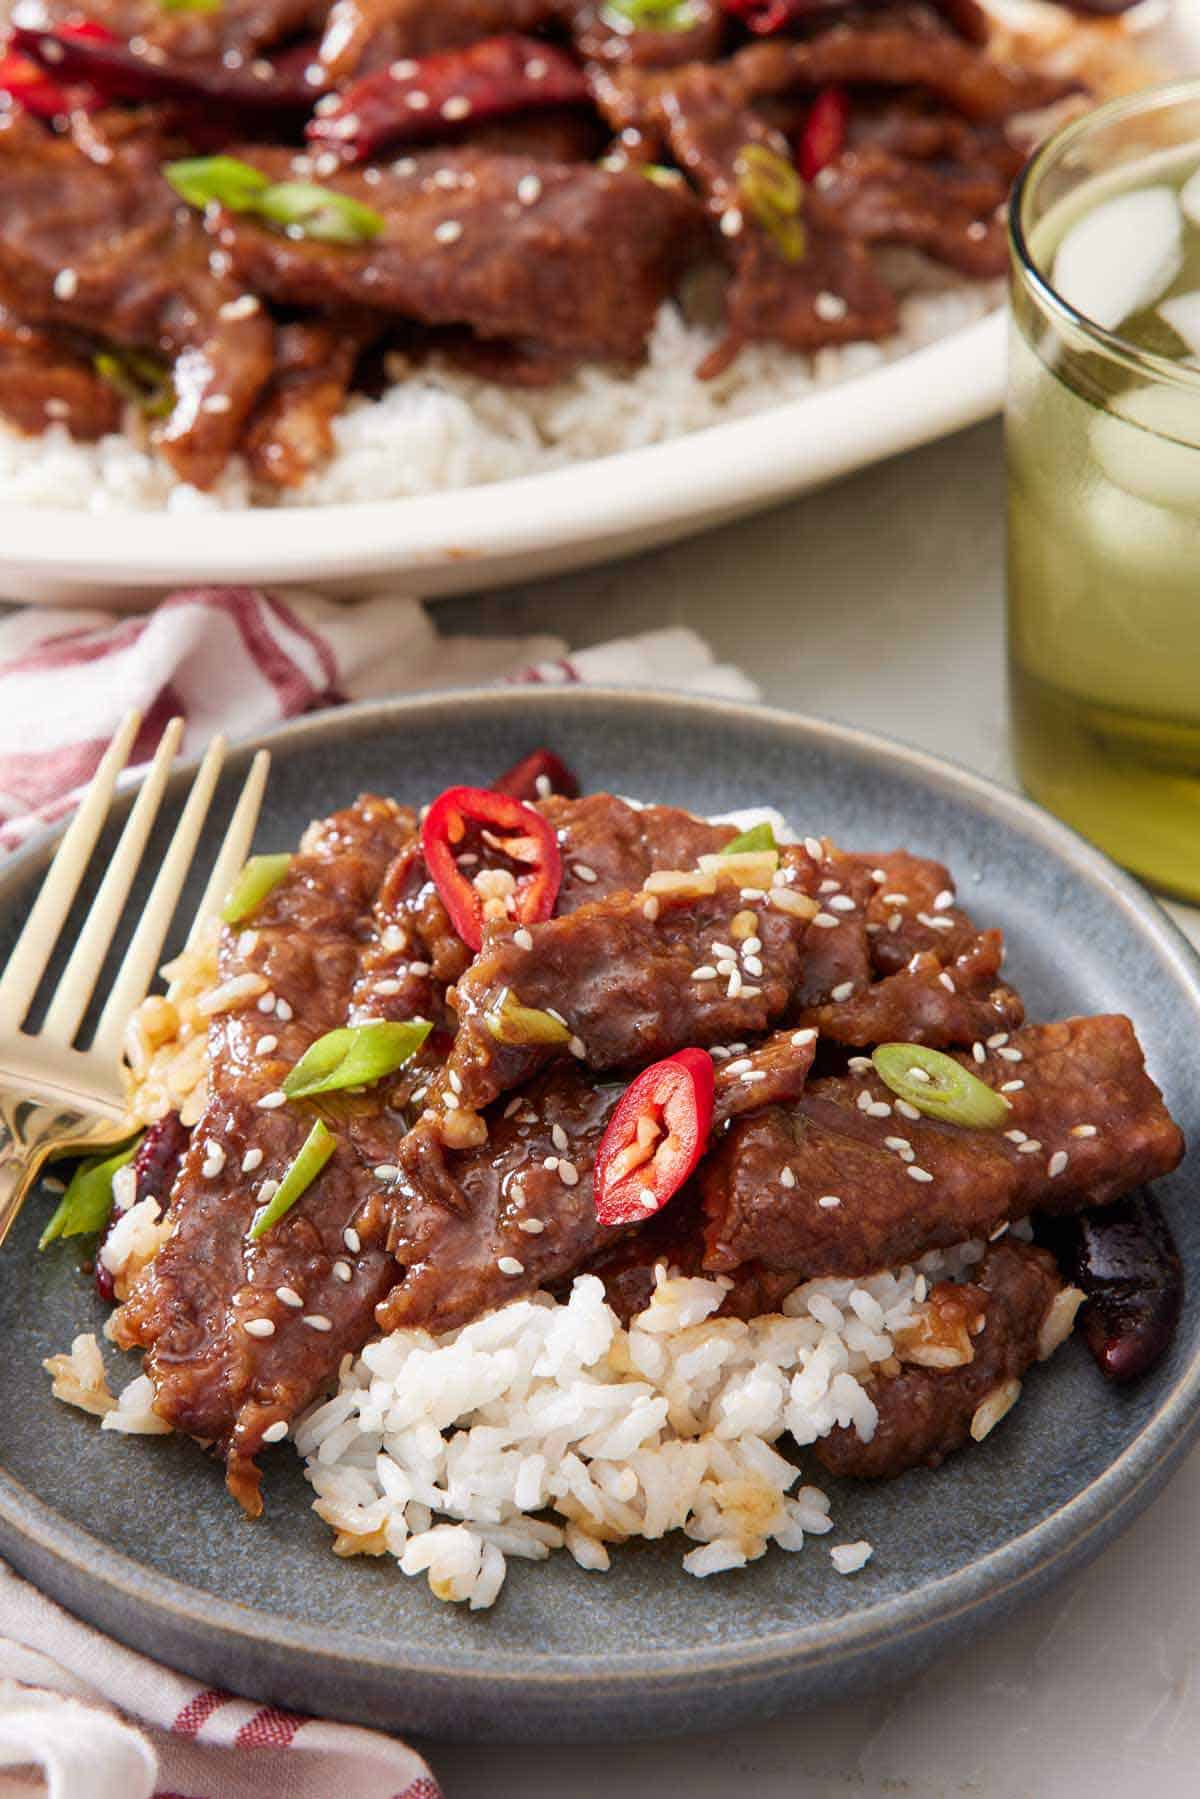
x: 555, y: 1171
x: 299, y: 254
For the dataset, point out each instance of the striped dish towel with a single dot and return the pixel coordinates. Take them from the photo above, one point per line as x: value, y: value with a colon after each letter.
x: 81, y: 1717
x: 240, y: 661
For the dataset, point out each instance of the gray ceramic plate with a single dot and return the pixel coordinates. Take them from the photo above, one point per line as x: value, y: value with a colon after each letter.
x: 138, y: 1536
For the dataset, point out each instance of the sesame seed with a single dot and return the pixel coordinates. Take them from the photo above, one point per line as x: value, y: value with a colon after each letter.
x: 343, y: 1271
x: 895, y: 921
x: 843, y: 990
x: 830, y: 307
x: 451, y: 1101
x: 704, y: 973
x: 735, y: 985
x: 906, y: 1109
x: 841, y: 902
x: 947, y: 981
x: 289, y: 1297
x: 830, y: 887
x: 800, y: 1038
x: 510, y: 1265
x: 270, y: 1102
x: 722, y: 949
x: 558, y: 1136
x: 544, y: 785
x: 1015, y: 1136
x: 457, y: 107
x: 514, y: 1105
x: 404, y: 70
x: 252, y: 1160
x: 416, y: 101
x: 568, y: 1174
x: 66, y: 284
x: 650, y: 908
x: 1011, y: 1055
x: 455, y: 1080
x: 917, y: 1174
x: 317, y: 1321
x: 814, y: 847
x: 421, y: 968
x: 536, y: 68
x: 266, y: 1045
x: 259, y: 1327
x: 731, y: 221
x: 1012, y: 1086
x: 751, y: 893
x: 944, y: 900
x: 385, y: 989
x: 529, y: 192
x: 879, y: 1108
x: 864, y: 1100
x: 788, y: 1177
x: 267, y: 1002
x: 523, y: 939
x: 752, y: 965
x: 727, y: 965
x: 1057, y: 1163
x: 825, y: 921
x: 351, y: 1239
x: 576, y: 1047
x: 283, y: 1011
x: 979, y: 1053
x: 275, y: 1433
x: 860, y: 1064
x: 919, y: 1075
x: 216, y: 403
x: 586, y: 874
x: 214, y: 1161
x: 386, y: 1171
x: 998, y: 1041
x: 932, y: 922
x: 533, y: 1227
x: 448, y: 232
x: 1084, y: 1130
x: 1030, y: 1147
x: 829, y: 1200
x: 894, y: 899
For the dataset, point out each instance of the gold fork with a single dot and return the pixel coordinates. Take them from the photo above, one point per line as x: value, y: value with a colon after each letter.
x: 55, y: 1097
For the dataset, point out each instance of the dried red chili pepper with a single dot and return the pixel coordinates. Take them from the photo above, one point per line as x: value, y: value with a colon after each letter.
x: 536, y: 776
x: 496, y: 76
x: 824, y: 134
x: 655, y: 1138
x: 86, y: 51
x: 26, y: 83
x: 516, y: 830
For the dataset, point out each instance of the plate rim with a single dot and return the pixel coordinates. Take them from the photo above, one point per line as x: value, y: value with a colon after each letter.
x: 1002, y: 1577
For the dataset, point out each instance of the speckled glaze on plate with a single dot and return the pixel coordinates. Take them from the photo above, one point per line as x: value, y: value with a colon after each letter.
x: 138, y: 1536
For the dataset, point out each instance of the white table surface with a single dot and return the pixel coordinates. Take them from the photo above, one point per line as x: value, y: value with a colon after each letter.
x: 880, y: 602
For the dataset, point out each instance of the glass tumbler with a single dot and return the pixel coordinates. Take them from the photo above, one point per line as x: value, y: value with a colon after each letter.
x: 1103, y: 438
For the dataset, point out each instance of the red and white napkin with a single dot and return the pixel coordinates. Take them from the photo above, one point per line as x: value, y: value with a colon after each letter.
x: 241, y: 661
x: 81, y: 1717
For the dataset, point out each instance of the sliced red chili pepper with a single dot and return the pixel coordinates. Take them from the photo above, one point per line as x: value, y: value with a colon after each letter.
x: 31, y: 87
x: 498, y: 75
x: 84, y: 50
x: 537, y: 775
x: 655, y: 1138
x: 824, y: 134
x: 521, y: 833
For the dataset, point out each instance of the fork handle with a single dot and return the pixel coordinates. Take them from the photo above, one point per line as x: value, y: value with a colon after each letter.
x: 30, y: 1133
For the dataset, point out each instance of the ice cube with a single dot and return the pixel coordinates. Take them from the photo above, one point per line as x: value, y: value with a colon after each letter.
x: 1189, y: 197
x: 1137, y: 445
x: 1122, y: 257
x: 1182, y: 314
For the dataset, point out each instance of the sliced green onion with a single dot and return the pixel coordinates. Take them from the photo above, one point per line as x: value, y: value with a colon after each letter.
x: 200, y: 6
x: 649, y: 15
x: 510, y: 1022
x: 660, y: 174
x: 355, y: 1056
x: 143, y: 379
x: 220, y: 180
x: 261, y: 875
x: 758, y: 837
x: 319, y: 212
x: 88, y: 1200
x: 939, y: 1086
x: 773, y: 193
x: 313, y: 1154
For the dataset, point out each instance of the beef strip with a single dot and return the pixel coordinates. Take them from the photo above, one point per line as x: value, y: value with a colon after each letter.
x: 235, y: 28
x: 955, y: 214
x: 926, y: 1413
x: 1079, y: 1076
x: 560, y: 134
x: 581, y: 262
x: 828, y: 291
x: 622, y: 973
x: 290, y: 433
x: 927, y: 1002
x: 608, y: 845
x: 49, y: 378
x: 364, y: 35
x: 451, y: 1217
x: 215, y: 1379
x: 106, y: 249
